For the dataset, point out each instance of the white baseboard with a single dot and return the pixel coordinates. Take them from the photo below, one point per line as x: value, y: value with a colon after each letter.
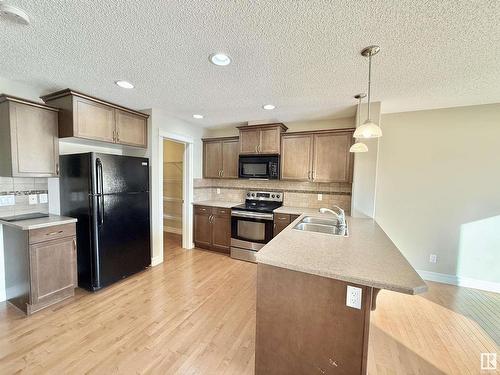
x: 156, y: 260
x: 172, y: 230
x: 460, y: 281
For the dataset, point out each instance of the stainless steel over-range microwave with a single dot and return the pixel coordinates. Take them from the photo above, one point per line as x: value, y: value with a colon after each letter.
x: 260, y: 166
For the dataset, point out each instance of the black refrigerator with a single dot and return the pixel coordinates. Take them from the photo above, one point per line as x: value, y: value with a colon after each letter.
x: 109, y: 195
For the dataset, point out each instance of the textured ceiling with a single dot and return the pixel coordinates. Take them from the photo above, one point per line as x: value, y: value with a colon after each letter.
x: 302, y: 56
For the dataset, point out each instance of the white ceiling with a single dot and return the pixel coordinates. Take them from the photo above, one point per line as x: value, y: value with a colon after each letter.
x: 302, y: 56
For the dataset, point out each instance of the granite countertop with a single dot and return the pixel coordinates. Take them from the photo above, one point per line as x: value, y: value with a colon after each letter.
x: 42, y: 222
x: 296, y: 210
x: 221, y: 204
x: 366, y: 257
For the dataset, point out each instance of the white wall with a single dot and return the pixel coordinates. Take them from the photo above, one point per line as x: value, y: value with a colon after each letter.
x: 159, y: 119
x: 438, y: 189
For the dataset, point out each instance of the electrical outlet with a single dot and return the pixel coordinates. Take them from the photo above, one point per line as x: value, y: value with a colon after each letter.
x: 218, y: 191
x: 353, y: 298
x: 33, y: 199
x: 7, y: 200
x: 43, y: 198
x: 320, y: 197
x: 433, y: 258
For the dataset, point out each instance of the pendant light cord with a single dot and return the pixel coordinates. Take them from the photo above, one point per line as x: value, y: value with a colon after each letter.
x: 359, y: 109
x: 369, y: 82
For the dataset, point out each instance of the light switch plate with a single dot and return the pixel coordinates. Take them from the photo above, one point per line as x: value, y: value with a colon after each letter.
x: 320, y: 197
x: 7, y: 200
x: 43, y: 198
x: 354, y: 295
x: 33, y: 199
x: 218, y: 191
x: 433, y: 258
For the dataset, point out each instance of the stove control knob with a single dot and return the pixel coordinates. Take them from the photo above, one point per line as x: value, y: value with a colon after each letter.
x: 272, y: 196
x: 248, y: 194
x: 278, y: 196
x: 253, y: 194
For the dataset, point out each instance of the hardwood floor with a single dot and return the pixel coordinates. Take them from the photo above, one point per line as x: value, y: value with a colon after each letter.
x: 195, y: 314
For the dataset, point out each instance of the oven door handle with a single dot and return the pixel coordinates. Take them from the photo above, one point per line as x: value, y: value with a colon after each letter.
x: 252, y: 215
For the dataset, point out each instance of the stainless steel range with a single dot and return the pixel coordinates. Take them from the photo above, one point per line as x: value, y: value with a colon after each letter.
x: 252, y: 223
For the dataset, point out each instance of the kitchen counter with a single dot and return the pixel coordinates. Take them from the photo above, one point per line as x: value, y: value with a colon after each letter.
x: 42, y: 222
x: 296, y: 210
x: 221, y: 204
x: 366, y: 257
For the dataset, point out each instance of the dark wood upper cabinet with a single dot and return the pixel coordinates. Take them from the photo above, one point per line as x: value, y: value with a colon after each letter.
x: 332, y: 161
x: 296, y: 151
x: 320, y: 156
x: 261, y: 139
x: 29, y: 145
x: 220, y: 157
x: 83, y: 116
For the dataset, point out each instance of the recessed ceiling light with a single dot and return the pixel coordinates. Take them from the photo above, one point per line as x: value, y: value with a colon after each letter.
x: 220, y: 59
x: 268, y: 106
x: 125, y: 84
x: 15, y: 13
x: 198, y: 117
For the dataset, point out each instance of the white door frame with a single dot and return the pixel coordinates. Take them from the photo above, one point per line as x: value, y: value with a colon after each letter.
x: 187, y: 186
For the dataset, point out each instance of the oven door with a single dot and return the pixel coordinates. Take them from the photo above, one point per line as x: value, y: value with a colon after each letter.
x: 251, y: 230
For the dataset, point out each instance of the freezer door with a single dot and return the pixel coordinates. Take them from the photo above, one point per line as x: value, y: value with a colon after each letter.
x: 123, y: 236
x: 119, y: 174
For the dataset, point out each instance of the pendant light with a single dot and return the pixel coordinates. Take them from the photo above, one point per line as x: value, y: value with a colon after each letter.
x: 359, y: 146
x: 369, y: 129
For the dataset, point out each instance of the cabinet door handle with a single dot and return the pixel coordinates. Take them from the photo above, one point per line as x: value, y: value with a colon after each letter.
x: 309, y: 175
x: 222, y: 173
x: 74, y: 244
x: 117, y: 136
x: 57, y: 169
x: 313, y: 175
x: 52, y: 233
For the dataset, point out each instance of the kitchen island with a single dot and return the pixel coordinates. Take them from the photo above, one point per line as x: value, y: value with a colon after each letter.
x: 304, y: 325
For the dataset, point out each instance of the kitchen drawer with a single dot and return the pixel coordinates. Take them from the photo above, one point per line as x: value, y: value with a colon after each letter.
x: 221, y: 211
x: 282, y: 218
x: 202, y: 210
x: 51, y: 233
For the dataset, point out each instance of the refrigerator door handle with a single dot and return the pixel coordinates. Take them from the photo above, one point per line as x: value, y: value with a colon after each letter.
x: 100, y: 190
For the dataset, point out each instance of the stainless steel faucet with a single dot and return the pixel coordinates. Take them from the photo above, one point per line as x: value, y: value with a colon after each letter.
x: 340, y: 215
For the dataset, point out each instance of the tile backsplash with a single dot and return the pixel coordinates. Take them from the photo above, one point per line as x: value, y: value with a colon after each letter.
x: 21, y: 188
x: 297, y: 194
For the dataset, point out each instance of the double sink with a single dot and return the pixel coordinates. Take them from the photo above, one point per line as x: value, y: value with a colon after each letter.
x: 320, y: 225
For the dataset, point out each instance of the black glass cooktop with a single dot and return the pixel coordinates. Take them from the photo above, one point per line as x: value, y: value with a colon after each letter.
x: 258, y: 206
x: 36, y: 215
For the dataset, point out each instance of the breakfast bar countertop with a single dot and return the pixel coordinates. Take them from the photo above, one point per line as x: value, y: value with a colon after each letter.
x: 366, y: 256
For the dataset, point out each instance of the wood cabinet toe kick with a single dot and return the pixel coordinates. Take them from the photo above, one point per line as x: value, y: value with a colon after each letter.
x: 41, y: 267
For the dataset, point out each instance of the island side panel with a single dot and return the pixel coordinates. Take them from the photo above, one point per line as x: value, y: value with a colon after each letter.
x: 305, y: 327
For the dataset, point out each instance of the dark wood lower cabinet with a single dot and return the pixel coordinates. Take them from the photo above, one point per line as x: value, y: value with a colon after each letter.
x: 41, y: 266
x: 281, y: 221
x: 212, y: 228
x: 305, y: 327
